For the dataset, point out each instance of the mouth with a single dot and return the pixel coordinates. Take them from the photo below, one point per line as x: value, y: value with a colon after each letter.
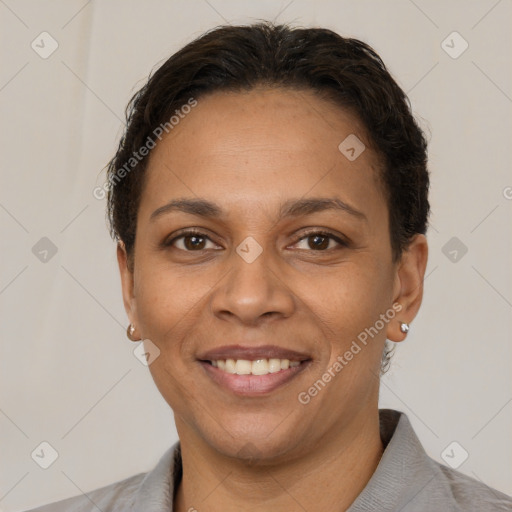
x: 253, y: 371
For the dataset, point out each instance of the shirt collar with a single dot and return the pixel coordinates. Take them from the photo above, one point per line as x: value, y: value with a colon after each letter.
x: 404, y: 469
x: 402, y: 473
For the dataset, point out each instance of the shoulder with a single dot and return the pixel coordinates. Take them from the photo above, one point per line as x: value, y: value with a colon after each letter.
x: 139, y: 492
x: 467, y: 493
x: 408, y: 479
x: 116, y: 497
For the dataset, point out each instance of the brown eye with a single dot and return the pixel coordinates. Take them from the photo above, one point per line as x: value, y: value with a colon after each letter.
x: 193, y: 242
x: 190, y: 241
x: 319, y: 241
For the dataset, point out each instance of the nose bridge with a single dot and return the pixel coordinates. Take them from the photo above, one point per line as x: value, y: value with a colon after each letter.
x: 252, y: 288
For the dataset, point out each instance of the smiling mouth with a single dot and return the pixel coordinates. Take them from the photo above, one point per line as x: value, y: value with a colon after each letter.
x: 252, y: 370
x: 256, y: 367
x: 258, y: 377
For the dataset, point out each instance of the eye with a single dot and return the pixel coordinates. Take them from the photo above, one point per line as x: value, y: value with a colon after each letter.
x: 320, y: 241
x: 189, y: 241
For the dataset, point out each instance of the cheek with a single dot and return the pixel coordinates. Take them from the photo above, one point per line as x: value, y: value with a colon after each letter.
x: 157, y: 301
x: 168, y: 306
x: 348, y: 306
x: 169, y: 301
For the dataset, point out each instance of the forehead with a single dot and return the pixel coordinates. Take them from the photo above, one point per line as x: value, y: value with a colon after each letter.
x: 247, y: 148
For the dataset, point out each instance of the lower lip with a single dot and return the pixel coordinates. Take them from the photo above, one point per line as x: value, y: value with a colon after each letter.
x: 252, y: 385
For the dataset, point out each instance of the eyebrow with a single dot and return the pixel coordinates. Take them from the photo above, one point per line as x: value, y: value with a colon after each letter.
x: 291, y: 208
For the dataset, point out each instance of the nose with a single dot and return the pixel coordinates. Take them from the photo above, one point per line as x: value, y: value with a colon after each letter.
x: 253, y: 292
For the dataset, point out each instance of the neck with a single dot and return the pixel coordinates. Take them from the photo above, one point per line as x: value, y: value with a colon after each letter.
x: 328, y: 476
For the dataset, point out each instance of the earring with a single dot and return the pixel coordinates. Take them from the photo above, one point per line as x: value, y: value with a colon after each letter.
x: 130, y: 331
x: 404, y: 327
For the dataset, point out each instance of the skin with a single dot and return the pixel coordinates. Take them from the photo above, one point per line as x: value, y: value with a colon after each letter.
x: 248, y: 153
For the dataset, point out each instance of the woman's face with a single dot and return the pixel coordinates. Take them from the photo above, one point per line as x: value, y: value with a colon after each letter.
x: 271, y: 273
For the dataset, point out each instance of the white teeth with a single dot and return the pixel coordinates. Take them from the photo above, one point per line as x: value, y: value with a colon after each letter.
x: 243, y: 367
x: 274, y: 365
x: 256, y: 367
x: 230, y: 366
x: 259, y: 367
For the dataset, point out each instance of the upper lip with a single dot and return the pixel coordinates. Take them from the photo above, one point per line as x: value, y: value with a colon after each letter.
x: 252, y: 353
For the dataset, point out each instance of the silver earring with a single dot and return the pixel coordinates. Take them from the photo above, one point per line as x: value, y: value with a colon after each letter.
x: 404, y: 327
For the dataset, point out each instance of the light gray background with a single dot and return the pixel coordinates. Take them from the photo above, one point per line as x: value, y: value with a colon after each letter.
x: 68, y: 374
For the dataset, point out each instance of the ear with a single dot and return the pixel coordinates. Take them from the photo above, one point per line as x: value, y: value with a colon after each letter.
x: 127, y: 284
x: 408, y: 288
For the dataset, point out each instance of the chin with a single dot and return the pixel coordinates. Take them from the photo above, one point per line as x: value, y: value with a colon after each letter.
x: 255, y: 439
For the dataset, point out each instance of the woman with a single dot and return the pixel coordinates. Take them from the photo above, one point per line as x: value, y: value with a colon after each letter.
x: 270, y: 202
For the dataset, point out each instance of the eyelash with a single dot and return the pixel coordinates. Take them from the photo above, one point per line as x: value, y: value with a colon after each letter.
x: 327, y: 234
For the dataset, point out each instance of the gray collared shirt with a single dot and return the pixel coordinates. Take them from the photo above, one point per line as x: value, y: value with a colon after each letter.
x: 406, y: 480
